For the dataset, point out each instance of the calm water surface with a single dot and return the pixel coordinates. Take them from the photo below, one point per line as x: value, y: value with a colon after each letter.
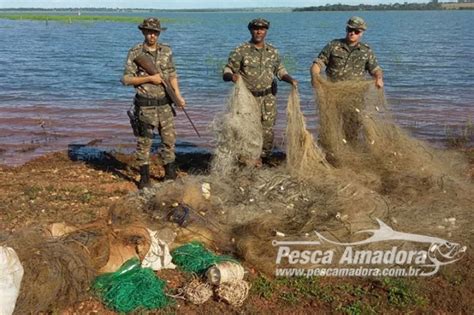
x: 59, y: 83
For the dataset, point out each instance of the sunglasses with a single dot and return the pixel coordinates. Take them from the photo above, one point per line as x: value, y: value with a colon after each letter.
x: 353, y: 30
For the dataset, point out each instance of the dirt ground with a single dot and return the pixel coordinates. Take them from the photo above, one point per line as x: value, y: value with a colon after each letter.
x: 57, y: 187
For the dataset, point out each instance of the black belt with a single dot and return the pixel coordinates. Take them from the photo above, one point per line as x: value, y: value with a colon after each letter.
x: 261, y: 93
x: 142, y: 101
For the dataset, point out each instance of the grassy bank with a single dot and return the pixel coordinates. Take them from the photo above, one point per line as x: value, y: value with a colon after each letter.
x: 77, y: 18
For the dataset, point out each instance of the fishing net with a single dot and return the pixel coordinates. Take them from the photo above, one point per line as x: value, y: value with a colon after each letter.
x: 238, y: 131
x: 57, y: 273
x: 131, y: 287
x: 303, y: 156
x: 358, y: 133
x: 197, y: 292
x: 235, y: 293
x: 194, y: 257
x: 366, y: 168
x: 339, y: 107
x: 61, y: 261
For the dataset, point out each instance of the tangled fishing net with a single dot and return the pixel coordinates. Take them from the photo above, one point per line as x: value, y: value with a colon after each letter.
x: 57, y: 273
x: 238, y: 131
x: 363, y: 167
x: 131, y: 287
x: 303, y: 157
x: 358, y: 133
x: 61, y: 261
x: 197, y: 292
x: 233, y: 293
x: 194, y: 257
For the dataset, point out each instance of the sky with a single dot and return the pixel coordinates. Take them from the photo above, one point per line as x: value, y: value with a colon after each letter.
x: 180, y: 4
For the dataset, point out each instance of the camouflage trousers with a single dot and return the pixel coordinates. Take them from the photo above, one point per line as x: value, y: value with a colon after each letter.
x: 161, y: 118
x: 268, y: 109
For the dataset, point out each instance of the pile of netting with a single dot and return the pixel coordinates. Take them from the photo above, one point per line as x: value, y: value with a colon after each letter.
x: 61, y: 261
x: 58, y: 272
x: 360, y: 168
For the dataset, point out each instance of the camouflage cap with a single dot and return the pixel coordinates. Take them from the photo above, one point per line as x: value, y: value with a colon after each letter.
x: 357, y: 23
x: 152, y: 24
x: 259, y: 23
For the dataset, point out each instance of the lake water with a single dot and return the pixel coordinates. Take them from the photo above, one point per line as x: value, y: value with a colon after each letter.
x: 59, y: 82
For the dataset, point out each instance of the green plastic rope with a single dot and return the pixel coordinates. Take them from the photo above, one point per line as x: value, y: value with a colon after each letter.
x: 131, y: 287
x: 193, y: 257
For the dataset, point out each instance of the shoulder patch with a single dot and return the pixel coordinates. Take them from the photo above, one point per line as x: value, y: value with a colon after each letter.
x: 137, y: 47
x: 164, y: 47
x: 272, y: 48
x: 243, y: 45
x: 270, y: 45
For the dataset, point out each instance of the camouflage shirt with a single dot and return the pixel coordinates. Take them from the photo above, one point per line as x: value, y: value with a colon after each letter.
x: 343, y: 62
x: 257, y: 66
x: 163, y: 58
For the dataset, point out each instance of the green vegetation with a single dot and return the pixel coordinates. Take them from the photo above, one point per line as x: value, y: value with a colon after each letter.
x: 307, y: 288
x: 152, y: 11
x: 86, y: 197
x: 76, y: 18
x: 368, y: 7
x: 356, y: 308
x: 289, y: 297
x: 401, y: 294
x: 263, y: 287
x: 369, y: 296
x: 32, y: 192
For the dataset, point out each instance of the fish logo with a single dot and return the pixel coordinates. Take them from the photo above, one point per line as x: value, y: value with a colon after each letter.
x: 440, y: 251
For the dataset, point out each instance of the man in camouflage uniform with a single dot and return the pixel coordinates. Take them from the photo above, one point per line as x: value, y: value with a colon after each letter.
x: 258, y: 62
x: 349, y: 59
x: 152, y: 105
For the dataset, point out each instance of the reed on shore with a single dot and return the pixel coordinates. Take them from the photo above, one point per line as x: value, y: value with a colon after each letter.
x: 70, y: 18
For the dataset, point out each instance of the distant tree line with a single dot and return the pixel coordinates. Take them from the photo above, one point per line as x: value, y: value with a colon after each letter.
x: 376, y: 7
x: 58, y: 9
x: 142, y: 10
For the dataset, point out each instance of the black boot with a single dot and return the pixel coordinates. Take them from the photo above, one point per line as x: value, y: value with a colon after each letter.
x: 144, y: 177
x: 170, y: 171
x: 267, y: 159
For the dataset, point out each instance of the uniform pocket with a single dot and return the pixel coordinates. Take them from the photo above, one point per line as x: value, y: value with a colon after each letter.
x: 250, y: 63
x: 337, y: 60
x: 148, y: 115
x: 269, y: 109
x: 338, y: 55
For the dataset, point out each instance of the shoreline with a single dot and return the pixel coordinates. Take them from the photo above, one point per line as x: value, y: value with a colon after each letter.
x: 90, y: 152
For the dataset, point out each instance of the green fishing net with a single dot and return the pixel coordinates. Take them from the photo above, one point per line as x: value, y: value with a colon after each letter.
x: 193, y: 257
x: 131, y: 287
